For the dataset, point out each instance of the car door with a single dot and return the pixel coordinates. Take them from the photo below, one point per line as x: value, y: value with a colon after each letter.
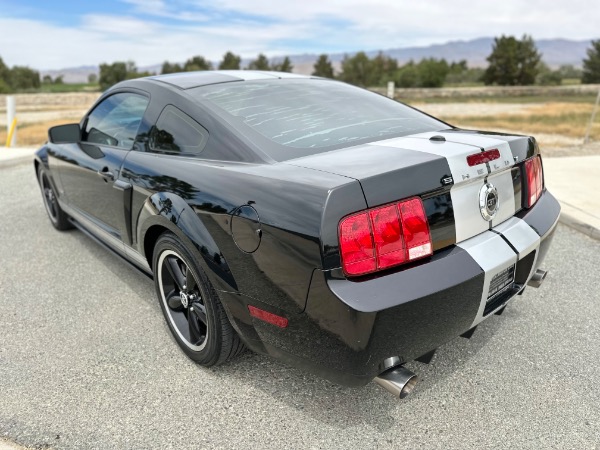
x: 90, y: 173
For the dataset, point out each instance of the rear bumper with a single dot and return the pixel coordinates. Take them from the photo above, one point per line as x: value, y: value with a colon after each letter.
x: 350, y: 327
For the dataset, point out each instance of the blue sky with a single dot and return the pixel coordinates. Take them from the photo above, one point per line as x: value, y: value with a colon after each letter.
x: 57, y: 34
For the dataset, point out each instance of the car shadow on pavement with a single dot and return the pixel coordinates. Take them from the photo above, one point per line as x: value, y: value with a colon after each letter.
x: 321, y: 400
x: 345, y: 407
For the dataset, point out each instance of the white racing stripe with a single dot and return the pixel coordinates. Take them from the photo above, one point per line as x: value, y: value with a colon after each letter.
x: 491, y: 252
x: 468, y: 181
x: 493, y: 255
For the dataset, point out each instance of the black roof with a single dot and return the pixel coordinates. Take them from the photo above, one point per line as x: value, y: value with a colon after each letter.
x: 188, y: 80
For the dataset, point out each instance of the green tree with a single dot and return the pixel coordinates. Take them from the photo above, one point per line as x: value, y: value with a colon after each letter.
x: 323, y: 67
x: 407, y: 76
x: 570, y: 71
x: 230, y: 61
x: 197, y: 63
x: 591, y: 64
x: 112, y: 74
x: 167, y: 67
x: 284, y: 66
x: 4, y: 71
x: 512, y: 62
x: 4, y: 87
x: 432, y: 72
x: 260, y: 63
x: 4, y: 78
x: 383, y: 69
x: 21, y: 78
x: 92, y: 78
x: 357, y: 69
x: 547, y: 76
x: 47, y: 79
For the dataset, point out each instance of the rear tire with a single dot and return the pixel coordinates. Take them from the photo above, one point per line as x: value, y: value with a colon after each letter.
x: 191, y: 306
x: 58, y: 218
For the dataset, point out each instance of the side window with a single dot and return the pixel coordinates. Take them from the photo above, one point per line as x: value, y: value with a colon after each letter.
x: 177, y: 133
x: 116, y: 120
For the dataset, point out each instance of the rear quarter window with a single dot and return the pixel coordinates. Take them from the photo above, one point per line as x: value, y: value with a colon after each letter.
x: 177, y: 133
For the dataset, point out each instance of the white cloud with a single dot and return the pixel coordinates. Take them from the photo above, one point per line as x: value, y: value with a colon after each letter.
x: 176, y: 33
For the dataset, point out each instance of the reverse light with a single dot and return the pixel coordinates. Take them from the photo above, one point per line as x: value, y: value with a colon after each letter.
x: 384, y: 237
x: 534, y: 175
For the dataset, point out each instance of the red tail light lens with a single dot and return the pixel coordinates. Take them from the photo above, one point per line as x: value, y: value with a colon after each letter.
x: 356, y: 242
x: 384, y: 237
x: 535, y: 176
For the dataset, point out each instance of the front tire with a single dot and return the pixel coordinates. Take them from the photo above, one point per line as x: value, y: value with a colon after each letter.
x: 58, y: 218
x: 190, y: 305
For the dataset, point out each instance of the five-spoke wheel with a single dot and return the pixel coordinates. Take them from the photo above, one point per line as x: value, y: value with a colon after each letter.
x: 57, y: 216
x: 191, y: 306
x: 183, y: 299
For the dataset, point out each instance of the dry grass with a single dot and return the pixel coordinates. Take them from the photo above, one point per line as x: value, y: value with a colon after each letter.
x: 37, y: 133
x: 569, y: 120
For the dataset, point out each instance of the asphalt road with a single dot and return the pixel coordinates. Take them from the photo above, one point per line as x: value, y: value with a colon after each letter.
x: 86, y: 361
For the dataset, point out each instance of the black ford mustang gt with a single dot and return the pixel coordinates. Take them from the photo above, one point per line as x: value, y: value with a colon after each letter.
x: 328, y: 226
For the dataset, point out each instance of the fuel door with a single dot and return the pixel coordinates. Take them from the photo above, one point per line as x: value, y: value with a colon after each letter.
x: 245, y: 228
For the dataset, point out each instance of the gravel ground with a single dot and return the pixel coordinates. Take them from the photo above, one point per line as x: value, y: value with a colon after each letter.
x: 86, y: 361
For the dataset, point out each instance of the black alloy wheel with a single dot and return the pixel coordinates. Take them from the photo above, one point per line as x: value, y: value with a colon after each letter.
x: 191, y: 307
x: 183, y: 301
x: 57, y: 216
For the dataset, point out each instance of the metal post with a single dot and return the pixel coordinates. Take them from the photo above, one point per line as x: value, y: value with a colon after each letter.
x: 390, y: 90
x: 586, y: 139
x: 11, y: 115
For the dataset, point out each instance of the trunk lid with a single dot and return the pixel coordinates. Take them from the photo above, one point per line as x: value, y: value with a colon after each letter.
x: 429, y: 165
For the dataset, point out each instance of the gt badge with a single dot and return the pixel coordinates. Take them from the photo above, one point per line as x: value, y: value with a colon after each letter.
x: 488, y: 201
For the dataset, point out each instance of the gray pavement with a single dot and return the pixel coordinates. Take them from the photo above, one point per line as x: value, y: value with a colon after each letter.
x: 86, y: 361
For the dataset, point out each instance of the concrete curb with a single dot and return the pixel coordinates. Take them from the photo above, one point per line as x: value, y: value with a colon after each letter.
x: 16, y: 161
x: 579, y: 225
x: 8, y: 445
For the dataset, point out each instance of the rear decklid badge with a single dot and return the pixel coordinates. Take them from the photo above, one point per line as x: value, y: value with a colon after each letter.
x: 488, y: 201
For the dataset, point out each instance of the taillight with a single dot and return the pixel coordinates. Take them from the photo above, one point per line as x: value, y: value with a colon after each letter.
x: 534, y: 175
x: 384, y: 237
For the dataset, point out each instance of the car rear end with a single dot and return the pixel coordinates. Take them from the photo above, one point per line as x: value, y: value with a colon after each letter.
x: 456, y: 225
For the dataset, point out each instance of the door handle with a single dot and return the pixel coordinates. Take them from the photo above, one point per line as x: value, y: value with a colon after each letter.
x: 106, y: 174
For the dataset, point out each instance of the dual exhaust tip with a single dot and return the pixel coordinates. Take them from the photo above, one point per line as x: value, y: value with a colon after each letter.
x: 400, y: 382
x: 538, y: 278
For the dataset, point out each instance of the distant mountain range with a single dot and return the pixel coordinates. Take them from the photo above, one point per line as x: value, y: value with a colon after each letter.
x: 555, y: 52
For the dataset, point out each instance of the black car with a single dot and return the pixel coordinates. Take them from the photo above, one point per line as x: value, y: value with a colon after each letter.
x: 325, y: 225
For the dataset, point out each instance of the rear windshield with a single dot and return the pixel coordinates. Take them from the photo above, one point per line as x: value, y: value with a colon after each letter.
x: 292, y: 118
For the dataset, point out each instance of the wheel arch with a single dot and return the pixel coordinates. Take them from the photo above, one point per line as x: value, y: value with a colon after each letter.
x: 165, y: 211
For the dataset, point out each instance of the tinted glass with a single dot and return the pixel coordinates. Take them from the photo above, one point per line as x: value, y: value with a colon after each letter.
x: 308, y: 116
x: 116, y: 120
x: 176, y: 132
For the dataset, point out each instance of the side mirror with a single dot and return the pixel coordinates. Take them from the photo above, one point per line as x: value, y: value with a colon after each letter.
x: 65, y: 134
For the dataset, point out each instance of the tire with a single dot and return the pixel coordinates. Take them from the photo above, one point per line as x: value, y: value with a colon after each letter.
x: 190, y: 305
x: 58, y: 218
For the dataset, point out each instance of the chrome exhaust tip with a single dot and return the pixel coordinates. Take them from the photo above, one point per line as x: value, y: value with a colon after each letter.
x: 399, y: 381
x: 538, y: 278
